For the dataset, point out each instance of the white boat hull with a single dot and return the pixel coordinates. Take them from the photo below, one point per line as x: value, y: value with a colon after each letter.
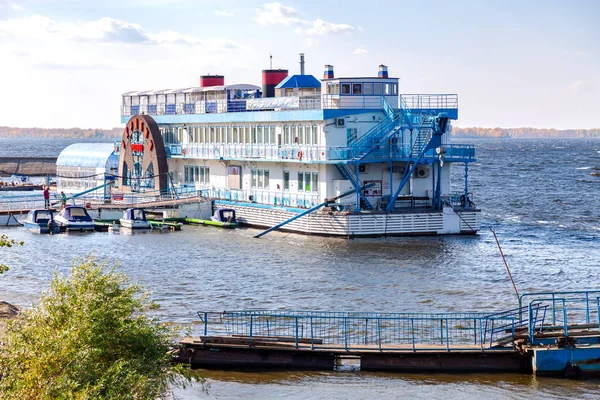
x: 133, y: 224
x: 426, y: 222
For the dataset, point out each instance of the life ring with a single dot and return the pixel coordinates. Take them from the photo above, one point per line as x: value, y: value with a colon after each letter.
x: 183, y: 151
x: 300, y: 154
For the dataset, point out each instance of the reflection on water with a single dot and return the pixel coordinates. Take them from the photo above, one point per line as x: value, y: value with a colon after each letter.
x: 546, y: 218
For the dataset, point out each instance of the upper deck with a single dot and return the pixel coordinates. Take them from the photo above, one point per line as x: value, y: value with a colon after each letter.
x: 297, y: 98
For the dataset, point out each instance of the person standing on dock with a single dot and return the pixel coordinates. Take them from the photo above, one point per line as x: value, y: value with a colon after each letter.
x: 46, y: 197
x: 63, y: 199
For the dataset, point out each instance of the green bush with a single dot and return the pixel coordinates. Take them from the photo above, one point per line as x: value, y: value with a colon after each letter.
x: 88, y: 338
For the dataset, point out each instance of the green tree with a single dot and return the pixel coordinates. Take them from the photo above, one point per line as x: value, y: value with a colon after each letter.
x: 6, y: 242
x: 89, y: 338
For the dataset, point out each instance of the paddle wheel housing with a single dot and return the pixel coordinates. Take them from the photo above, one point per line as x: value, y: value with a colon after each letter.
x: 142, y: 157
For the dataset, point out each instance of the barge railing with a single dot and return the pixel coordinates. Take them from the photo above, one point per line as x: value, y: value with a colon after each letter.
x: 373, y: 331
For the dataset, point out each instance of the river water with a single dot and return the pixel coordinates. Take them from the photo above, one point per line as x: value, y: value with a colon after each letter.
x: 540, y: 195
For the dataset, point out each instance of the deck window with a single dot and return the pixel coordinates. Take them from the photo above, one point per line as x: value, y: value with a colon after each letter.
x: 260, y: 179
x: 315, y: 134
x: 286, y: 180
x: 196, y: 174
x: 377, y: 88
x: 307, y: 182
x: 387, y: 89
x: 345, y: 88
x: 368, y: 89
x: 357, y: 88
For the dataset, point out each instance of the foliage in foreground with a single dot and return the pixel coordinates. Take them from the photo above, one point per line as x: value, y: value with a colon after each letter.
x: 6, y: 242
x: 87, y: 339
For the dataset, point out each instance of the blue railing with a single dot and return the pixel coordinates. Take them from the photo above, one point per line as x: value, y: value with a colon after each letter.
x: 367, y: 330
x: 566, y: 310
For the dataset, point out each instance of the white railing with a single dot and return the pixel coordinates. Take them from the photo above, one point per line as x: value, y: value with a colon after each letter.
x: 304, y: 154
x: 268, y: 197
x: 434, y: 101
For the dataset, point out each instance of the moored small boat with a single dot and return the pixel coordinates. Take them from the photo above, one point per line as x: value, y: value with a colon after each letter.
x: 41, y: 221
x: 224, y: 217
x: 135, y: 218
x: 75, y: 218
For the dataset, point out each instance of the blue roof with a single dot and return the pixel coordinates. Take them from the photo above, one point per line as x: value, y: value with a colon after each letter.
x: 98, y: 155
x: 299, y: 81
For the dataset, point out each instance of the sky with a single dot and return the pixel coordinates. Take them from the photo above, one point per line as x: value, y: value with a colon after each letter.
x: 65, y: 63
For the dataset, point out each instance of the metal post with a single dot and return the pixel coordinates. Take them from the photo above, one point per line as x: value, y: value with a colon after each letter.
x: 466, y: 186
x: 251, y: 318
x: 412, y: 328
x: 379, y: 332
x: 357, y: 209
x: 312, y: 334
x: 439, y: 187
x: 205, y: 324
x: 296, y: 332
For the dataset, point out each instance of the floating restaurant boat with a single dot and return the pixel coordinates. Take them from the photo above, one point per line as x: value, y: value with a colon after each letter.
x: 272, y: 153
x: 41, y: 221
x: 75, y: 218
x: 135, y: 218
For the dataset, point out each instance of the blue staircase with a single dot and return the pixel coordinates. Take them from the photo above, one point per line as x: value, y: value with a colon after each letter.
x: 350, y: 174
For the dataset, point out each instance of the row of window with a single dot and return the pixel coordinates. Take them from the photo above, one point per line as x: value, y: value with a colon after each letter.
x: 271, y: 135
x: 307, y: 181
x: 363, y: 89
x: 196, y: 174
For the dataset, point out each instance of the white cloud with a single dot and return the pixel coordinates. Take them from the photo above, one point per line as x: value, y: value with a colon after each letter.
x: 359, y: 51
x: 579, y: 52
x: 104, y: 30
x: 16, y: 7
x: 579, y: 86
x: 108, y: 30
x: 278, y: 14
x: 223, y: 13
x: 322, y: 28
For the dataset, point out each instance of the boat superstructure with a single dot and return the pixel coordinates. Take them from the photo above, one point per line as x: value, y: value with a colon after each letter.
x: 135, y: 218
x: 41, y: 221
x: 271, y: 158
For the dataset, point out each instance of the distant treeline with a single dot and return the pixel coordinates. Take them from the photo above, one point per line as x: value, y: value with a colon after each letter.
x: 6, y: 131
x: 524, y: 132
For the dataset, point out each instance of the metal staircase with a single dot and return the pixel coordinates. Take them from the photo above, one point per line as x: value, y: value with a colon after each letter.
x: 350, y: 174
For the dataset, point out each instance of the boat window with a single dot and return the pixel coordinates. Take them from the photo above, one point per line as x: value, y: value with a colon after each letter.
x: 377, y: 88
x: 387, y: 89
x: 77, y: 212
x: 357, y: 88
x: 315, y: 132
x: 286, y: 180
x: 394, y: 88
x: 301, y: 181
x: 368, y: 88
x: 315, y: 181
x: 260, y: 179
x: 307, y: 182
x: 345, y: 88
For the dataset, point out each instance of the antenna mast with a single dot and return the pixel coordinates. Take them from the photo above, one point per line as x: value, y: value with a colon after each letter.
x: 270, y: 61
